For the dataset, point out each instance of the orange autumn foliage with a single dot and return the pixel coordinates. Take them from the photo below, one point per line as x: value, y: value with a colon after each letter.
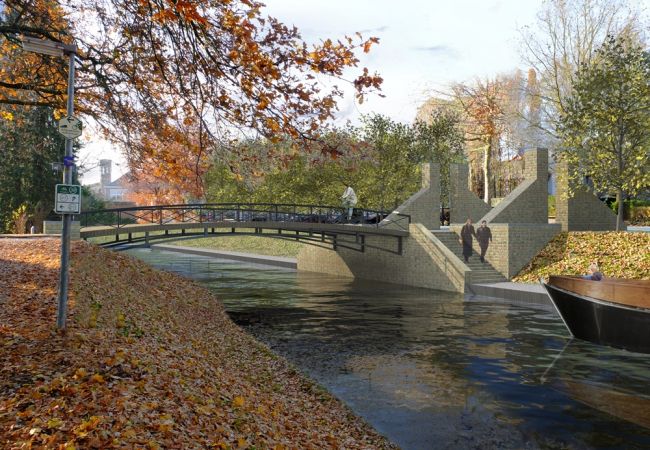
x: 154, y: 362
x: 150, y: 66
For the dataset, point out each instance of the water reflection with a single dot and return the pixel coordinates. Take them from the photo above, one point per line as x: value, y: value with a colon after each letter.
x: 435, y: 370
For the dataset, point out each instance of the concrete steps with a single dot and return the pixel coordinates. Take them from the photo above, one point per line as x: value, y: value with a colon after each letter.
x: 481, y: 272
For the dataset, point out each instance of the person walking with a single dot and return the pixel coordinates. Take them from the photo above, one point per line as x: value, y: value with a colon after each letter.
x: 466, y: 234
x: 349, y: 199
x: 484, y: 237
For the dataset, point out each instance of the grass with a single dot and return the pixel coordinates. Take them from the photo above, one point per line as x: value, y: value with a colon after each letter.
x: 228, y: 242
x: 247, y: 244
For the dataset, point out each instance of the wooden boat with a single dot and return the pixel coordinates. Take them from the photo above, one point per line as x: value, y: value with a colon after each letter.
x: 613, y: 311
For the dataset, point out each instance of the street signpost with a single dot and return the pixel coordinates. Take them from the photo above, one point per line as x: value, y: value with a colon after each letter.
x: 70, y: 127
x: 68, y: 199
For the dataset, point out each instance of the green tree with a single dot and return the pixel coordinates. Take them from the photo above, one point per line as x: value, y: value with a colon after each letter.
x: 394, y: 157
x: 564, y: 37
x: 438, y: 138
x: 30, y: 144
x: 380, y: 160
x: 605, y: 128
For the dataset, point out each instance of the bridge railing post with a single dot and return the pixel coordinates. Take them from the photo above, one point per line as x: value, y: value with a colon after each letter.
x: 160, y: 219
x: 119, y: 218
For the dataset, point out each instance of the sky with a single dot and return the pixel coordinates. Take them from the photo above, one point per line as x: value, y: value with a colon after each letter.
x: 424, y: 46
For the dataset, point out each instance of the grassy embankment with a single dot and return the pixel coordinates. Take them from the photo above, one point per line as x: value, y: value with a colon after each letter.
x: 234, y: 243
x: 620, y: 255
x: 246, y: 244
x: 150, y: 363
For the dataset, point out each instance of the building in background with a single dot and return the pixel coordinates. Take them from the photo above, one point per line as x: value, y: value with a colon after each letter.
x: 114, y: 192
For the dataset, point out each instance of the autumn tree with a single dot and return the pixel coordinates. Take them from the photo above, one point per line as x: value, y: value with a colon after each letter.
x: 605, y: 127
x: 483, y: 104
x: 170, y: 170
x: 152, y: 66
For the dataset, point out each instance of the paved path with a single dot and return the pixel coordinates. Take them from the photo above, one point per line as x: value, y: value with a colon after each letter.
x: 277, y: 261
x: 516, y: 292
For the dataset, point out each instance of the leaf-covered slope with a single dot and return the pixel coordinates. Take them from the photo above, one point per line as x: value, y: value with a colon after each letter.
x: 619, y: 254
x: 149, y: 360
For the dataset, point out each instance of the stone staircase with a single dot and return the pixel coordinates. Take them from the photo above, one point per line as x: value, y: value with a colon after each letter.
x: 481, y: 272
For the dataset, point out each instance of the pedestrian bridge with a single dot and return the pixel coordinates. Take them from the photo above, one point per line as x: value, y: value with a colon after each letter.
x: 405, y: 246
x: 325, y: 226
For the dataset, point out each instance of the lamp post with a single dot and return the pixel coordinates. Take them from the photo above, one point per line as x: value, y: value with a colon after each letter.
x: 61, y: 50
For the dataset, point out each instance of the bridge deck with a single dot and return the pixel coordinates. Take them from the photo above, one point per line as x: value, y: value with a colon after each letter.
x: 351, y: 229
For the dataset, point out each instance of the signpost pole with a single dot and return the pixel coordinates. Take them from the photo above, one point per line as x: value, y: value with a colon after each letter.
x: 62, y: 300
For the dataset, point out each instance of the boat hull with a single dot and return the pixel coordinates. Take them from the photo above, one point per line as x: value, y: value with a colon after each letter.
x: 603, y: 322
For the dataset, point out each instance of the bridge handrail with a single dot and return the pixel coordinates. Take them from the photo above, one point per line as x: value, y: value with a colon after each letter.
x: 299, y: 211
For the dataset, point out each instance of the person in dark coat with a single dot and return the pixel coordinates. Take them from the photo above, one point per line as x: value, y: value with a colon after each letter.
x: 466, y: 234
x: 484, y: 237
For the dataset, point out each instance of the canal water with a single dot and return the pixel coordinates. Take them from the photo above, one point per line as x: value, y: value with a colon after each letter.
x: 435, y: 370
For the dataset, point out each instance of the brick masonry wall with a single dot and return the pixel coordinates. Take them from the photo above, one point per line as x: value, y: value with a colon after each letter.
x: 528, y: 203
x: 424, y: 205
x: 463, y: 202
x: 514, y: 245
x: 419, y: 265
x: 583, y: 211
x: 56, y: 227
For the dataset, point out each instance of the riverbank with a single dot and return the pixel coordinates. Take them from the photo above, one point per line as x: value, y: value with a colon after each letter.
x: 283, y: 248
x: 619, y: 255
x: 149, y: 360
x: 256, y: 258
x: 525, y: 293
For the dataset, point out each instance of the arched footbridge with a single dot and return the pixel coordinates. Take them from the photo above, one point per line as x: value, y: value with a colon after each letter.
x: 325, y: 226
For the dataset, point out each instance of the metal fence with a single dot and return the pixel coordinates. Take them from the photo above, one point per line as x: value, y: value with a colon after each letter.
x: 240, y: 212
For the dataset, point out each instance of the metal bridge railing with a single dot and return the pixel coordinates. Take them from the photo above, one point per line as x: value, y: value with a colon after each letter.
x: 239, y: 212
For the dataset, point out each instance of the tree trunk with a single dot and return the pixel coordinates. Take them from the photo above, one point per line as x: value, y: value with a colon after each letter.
x: 487, y: 162
x: 620, y: 198
x: 619, y: 193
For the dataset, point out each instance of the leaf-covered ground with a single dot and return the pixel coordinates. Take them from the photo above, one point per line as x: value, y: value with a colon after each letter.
x: 149, y: 360
x: 619, y: 254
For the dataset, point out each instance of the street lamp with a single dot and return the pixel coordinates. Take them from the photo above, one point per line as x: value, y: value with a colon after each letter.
x: 61, y: 50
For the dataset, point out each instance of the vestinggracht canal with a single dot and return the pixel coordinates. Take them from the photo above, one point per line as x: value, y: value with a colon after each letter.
x: 431, y: 369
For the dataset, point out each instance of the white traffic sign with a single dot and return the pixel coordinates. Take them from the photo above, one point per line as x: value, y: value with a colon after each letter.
x: 68, y: 199
x: 70, y: 127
